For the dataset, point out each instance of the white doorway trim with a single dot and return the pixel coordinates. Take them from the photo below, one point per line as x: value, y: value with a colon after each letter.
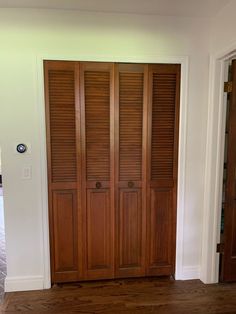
x: 214, y: 164
x: 183, y: 60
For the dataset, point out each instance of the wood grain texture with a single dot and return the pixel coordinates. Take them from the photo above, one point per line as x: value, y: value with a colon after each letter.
x: 97, y: 208
x: 161, y: 260
x: 62, y: 153
x: 98, y: 232
x: 112, y: 134
x: 130, y: 125
x: 97, y: 124
x: 163, y: 126
x: 131, y: 296
x: 62, y: 125
x: 130, y: 231
x: 130, y: 152
x: 65, y: 235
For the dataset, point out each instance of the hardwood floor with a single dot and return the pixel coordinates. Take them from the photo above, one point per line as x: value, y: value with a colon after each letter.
x: 151, y: 295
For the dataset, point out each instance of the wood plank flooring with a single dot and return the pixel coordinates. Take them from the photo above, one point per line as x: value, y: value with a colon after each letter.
x: 153, y: 295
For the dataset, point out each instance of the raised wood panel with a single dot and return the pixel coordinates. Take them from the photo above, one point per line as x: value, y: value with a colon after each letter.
x: 130, y: 125
x: 161, y: 246
x: 97, y: 124
x: 65, y: 235
x: 99, y: 243
x: 130, y: 232
x: 62, y: 125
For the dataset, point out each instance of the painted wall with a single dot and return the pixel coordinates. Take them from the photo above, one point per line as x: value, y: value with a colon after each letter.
x: 28, y: 34
x: 223, y: 28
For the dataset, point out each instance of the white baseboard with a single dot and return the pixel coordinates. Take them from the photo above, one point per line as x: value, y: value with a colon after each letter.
x: 25, y: 283
x: 190, y: 272
x: 28, y: 283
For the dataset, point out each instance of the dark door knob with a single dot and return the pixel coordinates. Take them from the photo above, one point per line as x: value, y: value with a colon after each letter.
x: 98, y: 185
x: 130, y: 184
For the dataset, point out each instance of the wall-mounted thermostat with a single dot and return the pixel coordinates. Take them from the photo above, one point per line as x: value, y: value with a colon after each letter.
x: 21, y: 148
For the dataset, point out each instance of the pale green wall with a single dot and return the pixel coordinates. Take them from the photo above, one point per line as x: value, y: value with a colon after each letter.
x: 26, y: 35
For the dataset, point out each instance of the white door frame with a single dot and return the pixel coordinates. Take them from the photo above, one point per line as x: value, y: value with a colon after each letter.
x: 183, y: 60
x: 214, y: 164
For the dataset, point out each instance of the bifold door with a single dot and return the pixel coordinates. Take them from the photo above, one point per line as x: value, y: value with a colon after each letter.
x: 97, y: 207
x: 163, y: 111
x: 112, y: 142
x: 130, y: 154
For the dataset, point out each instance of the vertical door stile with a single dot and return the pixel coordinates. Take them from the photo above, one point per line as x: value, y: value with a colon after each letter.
x: 130, y: 168
x: 148, y: 191
x: 175, y: 165
x: 97, y: 115
x: 116, y: 165
x: 62, y: 169
x: 145, y: 167
x: 79, y: 166
x: 112, y: 163
x: 83, y: 240
x: 163, y: 165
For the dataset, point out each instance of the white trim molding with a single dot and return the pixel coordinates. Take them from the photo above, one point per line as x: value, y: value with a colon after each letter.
x: 25, y: 283
x: 183, y: 60
x: 190, y: 272
x: 214, y: 165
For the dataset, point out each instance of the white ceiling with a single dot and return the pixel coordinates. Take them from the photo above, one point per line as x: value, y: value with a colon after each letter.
x: 187, y: 8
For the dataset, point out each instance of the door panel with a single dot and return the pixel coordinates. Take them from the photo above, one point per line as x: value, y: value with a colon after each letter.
x: 65, y: 234
x: 98, y: 232
x: 97, y: 170
x: 162, y: 172
x: 130, y: 231
x: 228, y: 272
x: 97, y: 124
x: 62, y: 124
x: 160, y: 232
x: 130, y: 125
x: 63, y: 183
x: 131, y: 119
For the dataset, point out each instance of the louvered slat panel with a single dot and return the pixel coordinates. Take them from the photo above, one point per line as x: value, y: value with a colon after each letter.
x: 97, y: 113
x: 130, y: 125
x: 62, y: 125
x: 163, y: 126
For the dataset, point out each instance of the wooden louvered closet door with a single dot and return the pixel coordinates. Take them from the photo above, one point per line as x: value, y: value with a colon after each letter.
x: 163, y: 111
x: 63, y: 180
x: 112, y: 143
x: 97, y: 94
x: 131, y: 119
